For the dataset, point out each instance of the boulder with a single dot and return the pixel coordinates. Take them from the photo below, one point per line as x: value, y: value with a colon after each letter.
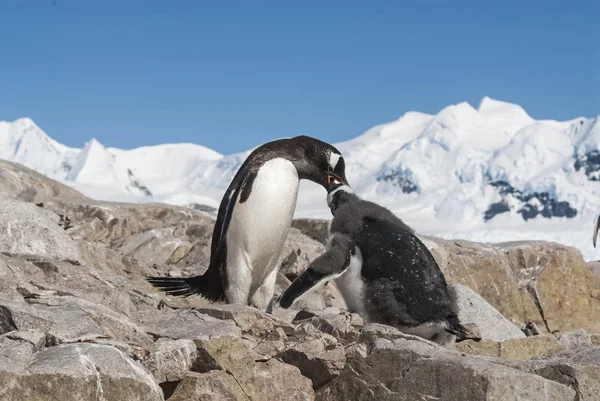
x: 544, y: 282
x: 247, y: 318
x: 375, y: 331
x: 185, y: 324
x: 216, y: 385
x: 76, y: 372
x: 272, y: 380
x: 413, y: 370
x: 578, y: 369
x: 170, y: 360
x: 516, y: 349
x: 67, y: 318
x: 25, y: 229
x: 574, y: 339
x: 319, y: 357
x: 277, y: 381
x: 316, y: 229
x: 343, y: 326
x: 472, y: 308
x: 298, y: 253
x: 595, y: 269
x: 18, y: 182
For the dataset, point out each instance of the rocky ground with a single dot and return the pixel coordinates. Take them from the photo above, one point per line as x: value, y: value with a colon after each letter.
x: 79, y: 322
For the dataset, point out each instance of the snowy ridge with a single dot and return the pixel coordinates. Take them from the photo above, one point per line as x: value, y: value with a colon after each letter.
x: 462, y: 171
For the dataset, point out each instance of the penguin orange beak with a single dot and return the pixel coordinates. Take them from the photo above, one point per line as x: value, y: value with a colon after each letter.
x: 331, y: 179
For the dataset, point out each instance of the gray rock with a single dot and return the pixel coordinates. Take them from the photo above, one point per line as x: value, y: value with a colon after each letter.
x: 277, y: 381
x: 35, y: 276
x: 414, y: 370
x: 250, y: 320
x: 170, y: 360
x: 215, y: 385
x: 578, y: 368
x: 340, y: 325
x: 79, y: 372
x: 14, y: 356
x: 7, y: 323
x: 18, y: 182
x: 26, y: 229
x: 158, y: 246
x: 523, y: 279
x: 270, y: 380
x: 186, y: 324
x: 229, y: 354
x: 472, y: 308
x: 245, y: 317
x: 316, y: 358
x: 65, y: 318
x: 298, y: 253
x: 375, y: 331
x: 314, y: 228
x: 35, y: 338
x: 595, y: 268
x: 574, y: 339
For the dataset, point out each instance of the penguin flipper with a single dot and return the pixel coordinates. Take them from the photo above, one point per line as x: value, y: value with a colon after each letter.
x: 330, y: 265
x: 455, y: 327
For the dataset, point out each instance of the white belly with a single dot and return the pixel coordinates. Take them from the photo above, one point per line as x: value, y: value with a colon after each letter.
x: 259, y: 226
x: 352, y: 286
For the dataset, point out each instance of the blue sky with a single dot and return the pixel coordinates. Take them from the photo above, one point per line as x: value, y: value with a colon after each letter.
x: 231, y: 75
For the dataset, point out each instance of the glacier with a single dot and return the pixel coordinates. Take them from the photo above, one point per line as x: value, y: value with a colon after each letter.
x: 491, y: 173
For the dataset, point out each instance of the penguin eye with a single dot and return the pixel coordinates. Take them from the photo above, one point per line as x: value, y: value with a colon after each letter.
x: 329, y: 168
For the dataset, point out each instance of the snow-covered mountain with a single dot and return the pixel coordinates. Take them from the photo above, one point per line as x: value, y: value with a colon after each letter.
x: 456, y: 173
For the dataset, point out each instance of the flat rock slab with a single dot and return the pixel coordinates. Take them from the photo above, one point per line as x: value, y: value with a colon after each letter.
x: 578, y: 369
x: 517, y: 349
x: 67, y: 318
x: 79, y: 372
x: 186, y: 324
x: 472, y: 308
x: 215, y: 385
x: 170, y: 360
x: 27, y: 229
x: 410, y: 370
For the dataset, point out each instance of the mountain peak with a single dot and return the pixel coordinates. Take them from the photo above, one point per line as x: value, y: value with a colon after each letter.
x: 493, y: 106
x: 92, y: 144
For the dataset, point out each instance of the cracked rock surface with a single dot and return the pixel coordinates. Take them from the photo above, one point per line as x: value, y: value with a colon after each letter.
x: 79, y: 322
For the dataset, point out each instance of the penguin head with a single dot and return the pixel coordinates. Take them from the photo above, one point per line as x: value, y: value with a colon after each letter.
x: 319, y: 162
x: 337, y: 194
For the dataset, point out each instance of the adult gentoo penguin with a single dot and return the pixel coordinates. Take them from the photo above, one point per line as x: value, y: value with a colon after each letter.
x: 253, y: 221
x: 384, y: 272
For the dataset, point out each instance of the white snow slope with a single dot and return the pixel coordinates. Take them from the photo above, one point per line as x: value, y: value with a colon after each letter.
x: 487, y: 174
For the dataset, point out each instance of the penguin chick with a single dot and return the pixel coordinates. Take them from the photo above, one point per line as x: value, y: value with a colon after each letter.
x: 384, y: 272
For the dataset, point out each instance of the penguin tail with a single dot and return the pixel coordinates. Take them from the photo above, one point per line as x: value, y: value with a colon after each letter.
x: 184, y: 287
x: 455, y: 327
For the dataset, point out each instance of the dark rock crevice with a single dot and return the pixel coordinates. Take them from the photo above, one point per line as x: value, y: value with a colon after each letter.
x: 590, y: 163
x: 529, y: 205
